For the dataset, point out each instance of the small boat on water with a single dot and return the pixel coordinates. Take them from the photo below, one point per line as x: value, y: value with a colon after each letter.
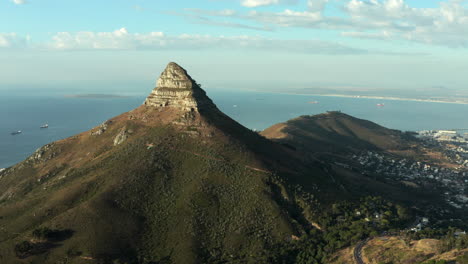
x: 45, y: 126
x: 16, y: 132
x: 380, y: 105
x: 313, y: 102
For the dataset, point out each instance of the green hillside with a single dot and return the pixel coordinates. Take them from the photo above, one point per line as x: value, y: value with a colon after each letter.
x: 337, y: 132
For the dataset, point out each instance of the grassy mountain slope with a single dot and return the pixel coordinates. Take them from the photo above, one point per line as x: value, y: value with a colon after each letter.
x: 334, y: 137
x: 335, y: 134
x: 160, y: 192
x: 336, y: 131
x: 156, y: 185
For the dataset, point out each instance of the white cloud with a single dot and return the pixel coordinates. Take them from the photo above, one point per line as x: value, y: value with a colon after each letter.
x: 316, y: 5
x: 257, y: 3
x: 12, y: 40
x: 123, y: 40
x: 221, y: 13
x: 201, y: 16
x: 286, y: 18
x: 19, y: 2
x: 117, y: 40
x: 368, y: 35
x: 445, y: 24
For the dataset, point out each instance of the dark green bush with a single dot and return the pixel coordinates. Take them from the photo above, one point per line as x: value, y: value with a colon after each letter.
x: 42, y: 233
x: 23, y: 249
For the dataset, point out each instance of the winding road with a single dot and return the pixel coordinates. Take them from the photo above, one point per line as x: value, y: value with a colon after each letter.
x: 358, y: 251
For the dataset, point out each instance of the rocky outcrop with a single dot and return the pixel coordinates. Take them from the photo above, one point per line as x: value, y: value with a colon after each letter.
x: 121, y: 137
x: 101, y: 129
x: 43, y: 154
x: 2, y: 172
x: 175, y: 88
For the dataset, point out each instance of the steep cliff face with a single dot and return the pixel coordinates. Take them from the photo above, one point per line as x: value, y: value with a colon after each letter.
x: 175, y: 88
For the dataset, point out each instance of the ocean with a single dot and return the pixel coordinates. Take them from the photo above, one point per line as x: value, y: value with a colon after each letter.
x: 255, y: 110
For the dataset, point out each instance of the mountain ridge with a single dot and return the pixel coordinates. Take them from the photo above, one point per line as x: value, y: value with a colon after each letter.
x: 173, y: 175
x: 331, y: 129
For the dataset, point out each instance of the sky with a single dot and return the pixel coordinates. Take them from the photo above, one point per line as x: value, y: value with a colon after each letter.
x: 237, y: 44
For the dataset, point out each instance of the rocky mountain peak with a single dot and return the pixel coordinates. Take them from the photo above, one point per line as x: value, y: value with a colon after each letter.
x: 175, y: 77
x: 175, y: 88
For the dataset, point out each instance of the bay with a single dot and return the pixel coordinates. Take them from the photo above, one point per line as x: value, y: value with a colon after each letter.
x: 255, y: 110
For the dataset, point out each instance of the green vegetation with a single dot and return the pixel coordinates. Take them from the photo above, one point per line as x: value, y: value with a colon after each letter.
x: 452, y: 241
x: 344, y: 224
x: 450, y: 238
x: 435, y: 262
x: 463, y: 259
x: 23, y: 249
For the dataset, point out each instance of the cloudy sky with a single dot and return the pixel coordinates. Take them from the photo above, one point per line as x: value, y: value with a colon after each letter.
x: 412, y: 44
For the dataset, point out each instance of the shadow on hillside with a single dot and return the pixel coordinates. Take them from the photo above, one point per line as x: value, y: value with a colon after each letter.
x: 60, y: 235
x: 26, y: 249
x: 45, y: 240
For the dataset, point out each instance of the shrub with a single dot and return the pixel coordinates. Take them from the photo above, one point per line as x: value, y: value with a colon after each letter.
x: 463, y: 259
x: 23, y: 249
x: 42, y: 233
x: 47, y: 234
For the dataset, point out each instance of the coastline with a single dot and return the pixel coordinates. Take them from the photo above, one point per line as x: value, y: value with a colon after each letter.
x: 391, y: 98
x: 394, y: 98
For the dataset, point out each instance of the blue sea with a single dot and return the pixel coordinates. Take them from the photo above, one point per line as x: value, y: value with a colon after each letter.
x: 255, y: 110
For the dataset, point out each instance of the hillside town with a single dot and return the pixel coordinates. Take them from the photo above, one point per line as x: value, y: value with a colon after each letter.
x: 451, y: 180
x: 453, y: 144
x: 444, y: 136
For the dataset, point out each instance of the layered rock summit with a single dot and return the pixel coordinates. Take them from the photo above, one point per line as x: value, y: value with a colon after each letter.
x: 175, y: 88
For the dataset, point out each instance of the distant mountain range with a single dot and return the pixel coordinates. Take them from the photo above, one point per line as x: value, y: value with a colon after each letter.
x: 178, y: 181
x: 95, y: 96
